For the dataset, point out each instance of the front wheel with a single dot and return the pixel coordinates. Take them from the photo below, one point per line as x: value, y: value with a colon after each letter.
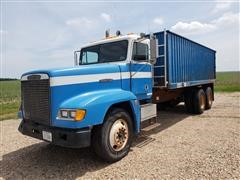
x: 112, y: 140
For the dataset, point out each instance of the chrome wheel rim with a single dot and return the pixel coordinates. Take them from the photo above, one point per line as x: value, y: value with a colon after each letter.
x: 119, y: 135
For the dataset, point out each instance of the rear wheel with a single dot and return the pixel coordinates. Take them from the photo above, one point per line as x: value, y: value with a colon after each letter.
x: 209, y: 98
x: 199, y: 101
x: 113, y: 139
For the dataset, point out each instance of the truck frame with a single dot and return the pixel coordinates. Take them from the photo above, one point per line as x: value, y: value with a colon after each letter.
x: 117, y: 85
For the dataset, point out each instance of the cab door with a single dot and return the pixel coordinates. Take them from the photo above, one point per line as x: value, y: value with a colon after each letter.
x: 141, y: 70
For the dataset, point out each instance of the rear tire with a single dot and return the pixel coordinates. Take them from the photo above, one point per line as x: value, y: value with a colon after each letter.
x: 112, y: 140
x: 209, y: 98
x: 199, y: 101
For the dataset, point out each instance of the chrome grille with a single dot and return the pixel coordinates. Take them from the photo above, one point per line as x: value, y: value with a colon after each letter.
x: 36, y: 99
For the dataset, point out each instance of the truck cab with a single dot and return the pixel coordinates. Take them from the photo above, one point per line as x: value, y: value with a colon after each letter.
x: 130, y: 54
x: 97, y: 102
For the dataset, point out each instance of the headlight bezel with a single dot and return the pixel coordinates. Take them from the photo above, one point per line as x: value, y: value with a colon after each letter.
x: 71, y: 114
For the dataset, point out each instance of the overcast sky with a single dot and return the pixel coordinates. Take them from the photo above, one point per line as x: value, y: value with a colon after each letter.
x: 39, y: 35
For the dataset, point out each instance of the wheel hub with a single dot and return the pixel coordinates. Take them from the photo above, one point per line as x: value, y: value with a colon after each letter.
x: 210, y: 98
x: 202, y: 102
x: 119, y: 135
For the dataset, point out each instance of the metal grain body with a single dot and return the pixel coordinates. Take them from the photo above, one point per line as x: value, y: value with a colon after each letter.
x: 187, y: 62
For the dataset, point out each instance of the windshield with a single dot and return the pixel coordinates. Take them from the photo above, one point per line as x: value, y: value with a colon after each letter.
x: 103, y: 53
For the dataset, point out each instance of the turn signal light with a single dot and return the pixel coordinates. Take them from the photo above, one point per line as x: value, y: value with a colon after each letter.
x: 80, y: 114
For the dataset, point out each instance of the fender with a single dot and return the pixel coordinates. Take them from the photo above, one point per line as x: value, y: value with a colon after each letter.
x: 96, y: 104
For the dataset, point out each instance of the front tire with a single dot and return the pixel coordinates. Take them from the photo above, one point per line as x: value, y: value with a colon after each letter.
x: 112, y: 140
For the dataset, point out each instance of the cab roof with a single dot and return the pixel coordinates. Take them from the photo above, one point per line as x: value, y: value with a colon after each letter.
x: 112, y: 39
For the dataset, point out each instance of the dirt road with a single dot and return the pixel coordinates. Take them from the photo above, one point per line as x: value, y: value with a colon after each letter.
x: 181, y: 146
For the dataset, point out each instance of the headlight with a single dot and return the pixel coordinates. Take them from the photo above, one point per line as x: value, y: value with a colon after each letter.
x: 72, y: 114
x: 64, y: 113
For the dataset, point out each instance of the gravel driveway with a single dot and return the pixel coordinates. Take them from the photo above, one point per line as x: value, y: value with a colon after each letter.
x: 182, y: 146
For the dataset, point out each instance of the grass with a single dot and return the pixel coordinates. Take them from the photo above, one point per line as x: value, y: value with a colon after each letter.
x: 227, y: 82
x: 10, y: 92
x: 10, y: 99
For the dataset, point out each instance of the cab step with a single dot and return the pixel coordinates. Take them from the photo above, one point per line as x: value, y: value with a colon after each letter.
x: 148, y: 114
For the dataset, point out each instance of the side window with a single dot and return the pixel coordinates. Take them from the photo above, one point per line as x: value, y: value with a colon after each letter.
x: 140, y: 51
x: 84, y: 58
x: 89, y: 57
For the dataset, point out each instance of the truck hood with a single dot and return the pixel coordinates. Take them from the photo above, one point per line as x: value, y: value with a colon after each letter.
x: 77, y: 85
x: 79, y: 70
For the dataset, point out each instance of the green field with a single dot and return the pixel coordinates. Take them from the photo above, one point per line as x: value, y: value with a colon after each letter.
x: 10, y: 92
x: 227, y: 82
x: 10, y: 99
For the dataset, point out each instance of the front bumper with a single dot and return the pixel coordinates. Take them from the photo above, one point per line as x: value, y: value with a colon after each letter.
x: 73, y: 138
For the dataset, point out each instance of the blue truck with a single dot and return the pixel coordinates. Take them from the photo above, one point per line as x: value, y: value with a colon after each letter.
x: 117, y: 84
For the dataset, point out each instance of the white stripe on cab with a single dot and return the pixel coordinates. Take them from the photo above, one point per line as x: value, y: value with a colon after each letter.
x: 79, y: 79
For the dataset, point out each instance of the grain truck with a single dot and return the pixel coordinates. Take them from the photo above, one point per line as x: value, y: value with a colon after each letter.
x: 117, y: 84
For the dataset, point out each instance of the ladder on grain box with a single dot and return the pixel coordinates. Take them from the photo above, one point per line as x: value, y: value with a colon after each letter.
x: 160, y: 67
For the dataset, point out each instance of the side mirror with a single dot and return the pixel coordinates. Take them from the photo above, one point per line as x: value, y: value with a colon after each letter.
x: 153, y: 50
x: 76, y: 58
